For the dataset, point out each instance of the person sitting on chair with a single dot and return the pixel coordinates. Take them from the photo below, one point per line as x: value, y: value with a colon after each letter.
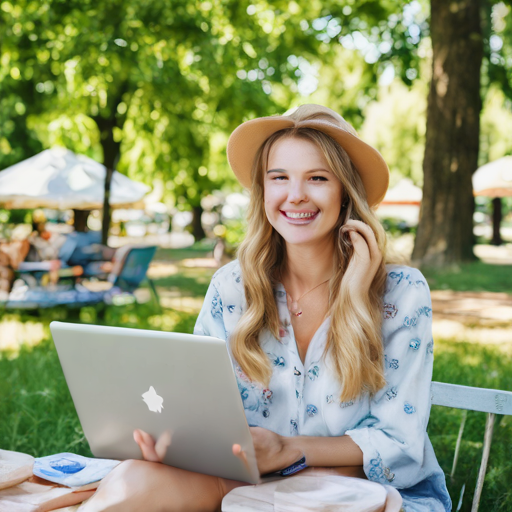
x: 331, y: 348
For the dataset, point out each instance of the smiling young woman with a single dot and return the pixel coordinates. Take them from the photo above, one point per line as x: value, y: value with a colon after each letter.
x: 331, y: 348
x: 302, y: 168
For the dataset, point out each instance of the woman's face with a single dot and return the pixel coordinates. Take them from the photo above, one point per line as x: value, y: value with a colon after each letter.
x: 302, y: 195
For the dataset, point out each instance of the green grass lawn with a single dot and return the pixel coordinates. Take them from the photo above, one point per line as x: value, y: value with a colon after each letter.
x: 37, y: 415
x: 471, y: 277
x: 202, y: 249
x: 189, y: 281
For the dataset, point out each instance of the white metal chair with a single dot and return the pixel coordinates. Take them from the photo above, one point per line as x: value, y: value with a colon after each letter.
x: 491, y: 401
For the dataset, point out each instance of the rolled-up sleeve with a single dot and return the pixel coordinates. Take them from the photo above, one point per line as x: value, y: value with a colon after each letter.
x: 393, y: 436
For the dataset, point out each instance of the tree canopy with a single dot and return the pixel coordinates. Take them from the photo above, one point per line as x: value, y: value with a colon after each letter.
x: 155, y: 88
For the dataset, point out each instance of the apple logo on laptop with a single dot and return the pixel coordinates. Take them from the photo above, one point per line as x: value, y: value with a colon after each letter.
x: 153, y: 401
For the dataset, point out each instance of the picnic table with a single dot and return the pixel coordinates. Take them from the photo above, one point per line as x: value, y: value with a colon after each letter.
x: 122, y: 271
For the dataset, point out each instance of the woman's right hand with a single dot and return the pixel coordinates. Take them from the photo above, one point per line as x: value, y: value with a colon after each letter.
x: 152, y: 451
x: 365, y: 260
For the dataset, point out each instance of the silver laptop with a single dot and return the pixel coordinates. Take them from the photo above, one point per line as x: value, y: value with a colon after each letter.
x: 124, y: 379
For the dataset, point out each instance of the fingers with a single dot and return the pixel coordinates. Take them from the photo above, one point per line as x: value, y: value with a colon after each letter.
x: 238, y: 452
x: 360, y: 245
x: 147, y: 445
x: 164, y: 441
x: 363, y: 239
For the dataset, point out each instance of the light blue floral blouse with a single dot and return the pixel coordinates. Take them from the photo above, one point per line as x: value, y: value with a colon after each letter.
x: 303, y: 399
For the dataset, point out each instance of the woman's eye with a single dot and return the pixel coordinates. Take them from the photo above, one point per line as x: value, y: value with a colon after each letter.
x: 319, y: 178
x: 279, y: 178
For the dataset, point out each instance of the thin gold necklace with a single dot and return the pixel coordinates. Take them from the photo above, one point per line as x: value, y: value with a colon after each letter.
x: 293, y: 305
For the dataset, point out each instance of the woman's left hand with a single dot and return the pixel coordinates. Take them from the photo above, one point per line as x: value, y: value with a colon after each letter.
x: 366, y: 258
x: 152, y: 451
x: 272, y: 452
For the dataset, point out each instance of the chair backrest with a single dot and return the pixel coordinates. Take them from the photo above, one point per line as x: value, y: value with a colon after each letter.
x: 473, y: 399
x: 82, y: 240
x: 491, y: 401
x: 67, y: 249
x: 131, y: 266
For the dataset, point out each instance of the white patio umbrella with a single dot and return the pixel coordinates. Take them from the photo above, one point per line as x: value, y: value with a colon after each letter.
x: 58, y: 178
x: 405, y: 192
x: 402, y: 202
x: 494, y: 179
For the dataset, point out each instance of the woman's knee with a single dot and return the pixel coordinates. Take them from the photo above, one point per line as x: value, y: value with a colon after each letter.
x: 137, y: 485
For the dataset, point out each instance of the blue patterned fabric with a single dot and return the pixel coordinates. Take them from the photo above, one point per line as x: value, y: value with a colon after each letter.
x: 304, y: 398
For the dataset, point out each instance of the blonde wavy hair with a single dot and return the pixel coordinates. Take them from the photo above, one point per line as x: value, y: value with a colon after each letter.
x: 354, y: 338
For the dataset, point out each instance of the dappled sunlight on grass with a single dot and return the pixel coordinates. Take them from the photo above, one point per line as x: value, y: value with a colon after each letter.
x: 182, y: 295
x: 192, y: 281
x: 457, y: 331
x: 472, y: 364
x: 198, y: 250
x: 14, y: 332
x: 157, y: 270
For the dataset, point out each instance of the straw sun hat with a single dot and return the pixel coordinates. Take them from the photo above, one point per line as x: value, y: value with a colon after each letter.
x: 249, y: 136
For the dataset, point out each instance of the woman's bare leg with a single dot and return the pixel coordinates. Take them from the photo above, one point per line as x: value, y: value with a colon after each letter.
x: 153, y: 487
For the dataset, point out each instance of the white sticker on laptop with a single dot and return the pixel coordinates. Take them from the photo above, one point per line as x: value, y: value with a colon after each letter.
x: 153, y: 400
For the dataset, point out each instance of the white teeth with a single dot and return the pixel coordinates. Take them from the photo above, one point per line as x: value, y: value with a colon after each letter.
x: 299, y: 215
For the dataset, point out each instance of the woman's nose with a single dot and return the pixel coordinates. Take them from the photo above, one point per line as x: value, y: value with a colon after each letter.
x: 297, y: 191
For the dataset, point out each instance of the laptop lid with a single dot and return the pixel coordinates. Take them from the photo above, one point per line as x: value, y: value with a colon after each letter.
x: 123, y: 379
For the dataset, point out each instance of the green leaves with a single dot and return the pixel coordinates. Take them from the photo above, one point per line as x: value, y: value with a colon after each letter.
x: 170, y: 80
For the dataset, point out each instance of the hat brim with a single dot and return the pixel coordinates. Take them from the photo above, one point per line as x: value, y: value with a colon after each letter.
x: 246, y: 140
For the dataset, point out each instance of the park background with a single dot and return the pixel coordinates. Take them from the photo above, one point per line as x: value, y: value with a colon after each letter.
x: 153, y: 89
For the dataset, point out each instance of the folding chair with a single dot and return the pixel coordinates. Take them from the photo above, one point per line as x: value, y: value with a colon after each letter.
x: 130, y: 268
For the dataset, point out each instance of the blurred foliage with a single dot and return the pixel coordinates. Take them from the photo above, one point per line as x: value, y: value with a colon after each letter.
x: 397, y: 227
x: 396, y: 126
x: 9, y: 219
x: 235, y: 232
x: 484, y: 204
x: 497, y: 30
x: 495, y: 126
x: 17, y: 216
x: 168, y: 82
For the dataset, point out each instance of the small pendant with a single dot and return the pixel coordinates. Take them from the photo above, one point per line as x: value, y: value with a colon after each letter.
x: 293, y: 307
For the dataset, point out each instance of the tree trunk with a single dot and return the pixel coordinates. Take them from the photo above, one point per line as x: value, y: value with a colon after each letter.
x: 80, y: 220
x: 107, y: 216
x: 111, y: 152
x: 445, y: 231
x: 496, y: 221
x: 197, y: 226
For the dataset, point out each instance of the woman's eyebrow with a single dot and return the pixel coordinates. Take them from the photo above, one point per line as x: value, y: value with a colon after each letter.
x: 307, y: 172
x: 321, y: 169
